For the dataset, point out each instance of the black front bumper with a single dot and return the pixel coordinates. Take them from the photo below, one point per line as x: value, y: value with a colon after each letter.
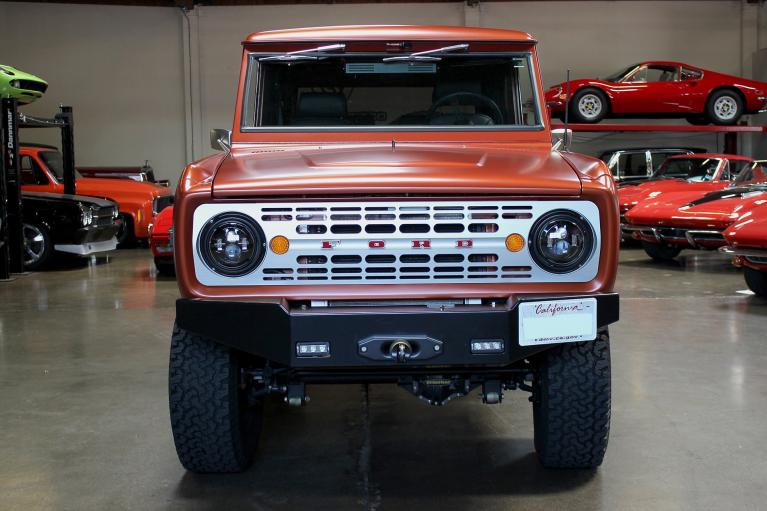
x: 271, y: 332
x: 93, y: 234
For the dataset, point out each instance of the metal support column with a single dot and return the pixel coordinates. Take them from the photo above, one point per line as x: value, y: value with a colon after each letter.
x: 68, y: 148
x: 5, y: 255
x: 12, y: 237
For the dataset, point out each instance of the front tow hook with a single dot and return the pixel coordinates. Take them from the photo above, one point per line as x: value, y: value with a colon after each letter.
x: 401, y: 350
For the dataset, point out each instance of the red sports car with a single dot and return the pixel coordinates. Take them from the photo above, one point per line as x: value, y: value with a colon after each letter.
x: 747, y: 241
x: 661, y: 89
x: 698, y: 173
x: 679, y: 220
x: 161, y: 242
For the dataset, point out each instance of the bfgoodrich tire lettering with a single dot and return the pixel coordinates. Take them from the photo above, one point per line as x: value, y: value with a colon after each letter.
x: 214, y: 428
x: 571, y: 404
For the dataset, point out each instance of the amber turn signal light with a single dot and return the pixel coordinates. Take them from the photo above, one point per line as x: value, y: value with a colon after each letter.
x: 515, y: 242
x: 279, y: 245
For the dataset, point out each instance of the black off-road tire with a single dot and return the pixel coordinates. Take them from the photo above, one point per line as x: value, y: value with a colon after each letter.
x: 756, y: 280
x: 215, y: 428
x: 571, y: 404
x: 662, y: 252
x: 734, y: 103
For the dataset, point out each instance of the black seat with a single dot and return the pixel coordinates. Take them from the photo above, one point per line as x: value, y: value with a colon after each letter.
x: 320, y: 109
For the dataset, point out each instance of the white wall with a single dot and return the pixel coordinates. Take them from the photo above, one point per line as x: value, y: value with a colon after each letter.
x: 119, y: 67
x: 148, y: 83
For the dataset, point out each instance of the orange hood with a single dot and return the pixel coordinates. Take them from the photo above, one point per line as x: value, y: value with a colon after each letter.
x: 394, y: 168
x: 118, y: 189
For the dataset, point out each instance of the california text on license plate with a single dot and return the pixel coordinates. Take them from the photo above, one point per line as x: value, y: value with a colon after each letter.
x: 557, y: 321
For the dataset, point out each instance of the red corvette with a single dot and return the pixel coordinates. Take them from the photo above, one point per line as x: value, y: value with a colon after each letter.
x: 661, y: 89
x: 679, y: 220
x: 161, y: 242
x: 698, y: 173
x: 747, y: 241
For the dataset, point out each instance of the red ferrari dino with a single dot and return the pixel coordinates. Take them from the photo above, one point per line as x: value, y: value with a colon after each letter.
x: 678, y: 220
x: 747, y: 241
x: 661, y: 89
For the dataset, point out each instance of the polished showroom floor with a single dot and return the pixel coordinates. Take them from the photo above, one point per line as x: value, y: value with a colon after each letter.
x: 84, y: 419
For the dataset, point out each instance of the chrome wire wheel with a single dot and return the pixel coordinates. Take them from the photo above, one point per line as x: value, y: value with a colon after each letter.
x: 590, y: 106
x: 34, y: 244
x: 726, y: 108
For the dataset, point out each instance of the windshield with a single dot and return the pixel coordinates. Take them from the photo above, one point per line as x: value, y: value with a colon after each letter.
x: 752, y: 174
x: 691, y: 169
x: 620, y: 74
x: 380, y: 91
x: 55, y: 163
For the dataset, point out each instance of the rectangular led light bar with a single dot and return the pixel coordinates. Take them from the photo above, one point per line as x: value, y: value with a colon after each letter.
x: 487, y: 346
x: 313, y: 349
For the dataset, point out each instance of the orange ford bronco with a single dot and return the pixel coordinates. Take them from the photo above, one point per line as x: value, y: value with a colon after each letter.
x: 388, y: 207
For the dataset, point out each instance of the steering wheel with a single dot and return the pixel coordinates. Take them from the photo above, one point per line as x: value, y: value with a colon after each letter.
x: 477, y: 99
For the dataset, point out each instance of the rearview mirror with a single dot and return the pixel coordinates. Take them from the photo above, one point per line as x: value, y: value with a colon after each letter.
x: 221, y: 139
x: 561, y: 138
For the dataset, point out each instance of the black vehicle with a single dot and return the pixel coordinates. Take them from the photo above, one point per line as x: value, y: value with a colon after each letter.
x: 73, y: 224
x: 638, y: 164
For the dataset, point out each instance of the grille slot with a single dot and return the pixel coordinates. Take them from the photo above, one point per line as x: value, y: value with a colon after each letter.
x: 345, y: 229
x: 346, y: 259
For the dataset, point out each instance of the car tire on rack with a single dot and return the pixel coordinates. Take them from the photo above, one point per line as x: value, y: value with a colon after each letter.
x: 589, y: 106
x: 756, y: 280
x: 38, y: 246
x: 571, y: 404
x: 724, y: 107
x: 661, y: 251
x: 215, y: 423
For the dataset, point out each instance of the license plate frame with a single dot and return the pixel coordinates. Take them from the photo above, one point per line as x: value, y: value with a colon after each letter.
x: 557, y: 321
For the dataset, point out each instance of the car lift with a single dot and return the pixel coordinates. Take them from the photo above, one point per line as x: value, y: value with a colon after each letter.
x: 11, y: 235
x: 730, y: 132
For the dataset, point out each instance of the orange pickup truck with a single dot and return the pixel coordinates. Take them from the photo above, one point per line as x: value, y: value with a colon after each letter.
x: 42, y: 171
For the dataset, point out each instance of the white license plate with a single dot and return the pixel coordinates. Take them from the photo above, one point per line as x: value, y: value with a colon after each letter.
x: 557, y: 321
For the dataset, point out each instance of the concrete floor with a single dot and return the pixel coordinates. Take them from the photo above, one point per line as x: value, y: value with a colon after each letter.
x: 84, y: 419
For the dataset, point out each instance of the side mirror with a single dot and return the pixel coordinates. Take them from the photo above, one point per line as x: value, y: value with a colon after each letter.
x: 221, y: 139
x: 561, y: 138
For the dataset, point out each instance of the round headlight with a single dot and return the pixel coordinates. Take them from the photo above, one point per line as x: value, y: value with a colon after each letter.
x: 561, y: 241
x: 232, y: 244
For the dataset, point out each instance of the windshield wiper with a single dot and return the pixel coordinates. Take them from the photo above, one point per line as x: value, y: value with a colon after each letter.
x: 308, y: 54
x: 428, y: 55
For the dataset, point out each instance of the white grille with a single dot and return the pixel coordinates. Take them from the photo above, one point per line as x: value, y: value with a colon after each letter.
x: 402, y: 242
